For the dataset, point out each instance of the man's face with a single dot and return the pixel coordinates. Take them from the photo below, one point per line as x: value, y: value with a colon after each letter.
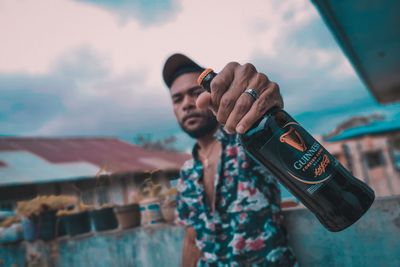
x: 195, y: 122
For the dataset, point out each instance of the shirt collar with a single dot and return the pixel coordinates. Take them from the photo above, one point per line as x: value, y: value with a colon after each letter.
x: 222, y: 136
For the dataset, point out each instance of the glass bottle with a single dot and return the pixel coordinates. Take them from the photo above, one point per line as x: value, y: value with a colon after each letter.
x: 304, y: 167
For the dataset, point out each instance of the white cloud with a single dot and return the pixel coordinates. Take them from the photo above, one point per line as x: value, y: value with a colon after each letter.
x: 149, y: 13
x: 36, y: 33
x: 98, y: 102
x: 112, y: 85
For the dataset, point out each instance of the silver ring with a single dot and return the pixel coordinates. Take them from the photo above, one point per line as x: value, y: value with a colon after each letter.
x: 251, y: 92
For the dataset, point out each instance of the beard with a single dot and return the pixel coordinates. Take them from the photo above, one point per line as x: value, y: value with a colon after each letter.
x: 208, y: 126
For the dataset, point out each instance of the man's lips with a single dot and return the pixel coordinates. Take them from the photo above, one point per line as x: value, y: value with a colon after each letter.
x: 191, y: 117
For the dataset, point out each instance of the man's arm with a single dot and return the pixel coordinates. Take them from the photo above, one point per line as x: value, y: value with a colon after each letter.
x: 190, y: 253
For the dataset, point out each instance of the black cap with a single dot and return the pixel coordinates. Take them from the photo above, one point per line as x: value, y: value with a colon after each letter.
x: 176, y: 65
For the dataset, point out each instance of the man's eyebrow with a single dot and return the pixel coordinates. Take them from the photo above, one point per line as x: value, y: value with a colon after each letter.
x: 194, y: 88
x: 176, y: 94
x: 190, y: 90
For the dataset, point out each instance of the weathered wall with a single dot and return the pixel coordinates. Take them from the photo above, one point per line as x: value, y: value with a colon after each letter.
x: 374, y: 241
x: 147, y: 247
x: 11, y: 256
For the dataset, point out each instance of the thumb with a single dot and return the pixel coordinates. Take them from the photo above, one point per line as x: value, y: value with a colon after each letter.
x: 204, y: 100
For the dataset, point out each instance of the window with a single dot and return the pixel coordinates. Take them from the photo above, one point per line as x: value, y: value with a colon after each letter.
x: 7, y: 206
x: 103, y: 196
x: 396, y: 158
x: 374, y: 159
x: 348, y: 156
x: 87, y: 197
x: 395, y: 151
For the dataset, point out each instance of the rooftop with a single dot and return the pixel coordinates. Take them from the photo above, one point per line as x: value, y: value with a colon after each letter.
x: 40, y: 160
x: 373, y: 128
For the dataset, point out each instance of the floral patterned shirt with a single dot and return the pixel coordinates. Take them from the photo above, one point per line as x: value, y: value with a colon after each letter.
x: 245, y: 229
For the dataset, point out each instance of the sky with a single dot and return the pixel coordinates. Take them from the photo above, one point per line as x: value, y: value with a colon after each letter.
x: 93, y: 68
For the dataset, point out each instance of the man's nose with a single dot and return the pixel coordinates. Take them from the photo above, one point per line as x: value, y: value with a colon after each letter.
x: 189, y: 102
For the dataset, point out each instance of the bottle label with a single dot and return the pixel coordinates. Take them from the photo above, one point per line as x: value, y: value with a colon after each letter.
x: 300, y: 156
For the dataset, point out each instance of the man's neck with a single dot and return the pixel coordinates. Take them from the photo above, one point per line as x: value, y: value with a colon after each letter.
x: 205, y: 141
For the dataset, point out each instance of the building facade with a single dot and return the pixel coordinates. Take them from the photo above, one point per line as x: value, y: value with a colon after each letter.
x: 372, y: 153
x: 97, y: 170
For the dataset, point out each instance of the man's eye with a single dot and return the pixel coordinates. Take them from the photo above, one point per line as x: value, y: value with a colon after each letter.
x: 176, y: 100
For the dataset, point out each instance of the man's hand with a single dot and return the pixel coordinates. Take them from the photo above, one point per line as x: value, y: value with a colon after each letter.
x: 234, y: 108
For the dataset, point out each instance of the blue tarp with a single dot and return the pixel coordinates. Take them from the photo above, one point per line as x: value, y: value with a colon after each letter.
x: 378, y: 127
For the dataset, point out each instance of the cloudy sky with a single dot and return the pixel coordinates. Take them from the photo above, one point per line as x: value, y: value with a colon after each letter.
x: 89, y: 67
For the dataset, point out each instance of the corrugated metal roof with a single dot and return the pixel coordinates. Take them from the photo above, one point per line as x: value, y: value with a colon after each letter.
x: 377, y: 127
x: 39, y: 160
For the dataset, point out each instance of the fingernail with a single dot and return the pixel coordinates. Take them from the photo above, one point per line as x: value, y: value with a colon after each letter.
x: 240, y: 129
x: 228, y: 131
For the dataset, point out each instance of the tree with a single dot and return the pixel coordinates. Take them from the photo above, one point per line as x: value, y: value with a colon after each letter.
x: 146, y: 141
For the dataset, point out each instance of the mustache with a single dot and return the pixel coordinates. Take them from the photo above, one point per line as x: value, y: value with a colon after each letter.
x: 191, y: 115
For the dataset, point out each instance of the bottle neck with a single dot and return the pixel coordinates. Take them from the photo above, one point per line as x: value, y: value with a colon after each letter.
x: 206, y: 78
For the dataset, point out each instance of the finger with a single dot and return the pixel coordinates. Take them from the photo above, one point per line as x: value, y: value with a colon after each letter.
x: 242, y: 76
x: 259, y: 83
x: 203, y: 100
x: 221, y: 83
x: 268, y: 99
x: 246, y: 76
x: 226, y: 106
x: 242, y: 106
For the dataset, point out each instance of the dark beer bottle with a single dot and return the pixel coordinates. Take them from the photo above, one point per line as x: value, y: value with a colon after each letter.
x: 304, y: 167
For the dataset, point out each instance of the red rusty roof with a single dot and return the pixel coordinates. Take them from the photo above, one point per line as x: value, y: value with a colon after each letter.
x: 114, y: 154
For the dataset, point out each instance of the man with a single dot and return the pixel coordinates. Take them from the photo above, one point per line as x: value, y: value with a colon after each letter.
x: 230, y: 204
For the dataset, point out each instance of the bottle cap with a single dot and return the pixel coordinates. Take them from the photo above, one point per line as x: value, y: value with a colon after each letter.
x: 206, y: 77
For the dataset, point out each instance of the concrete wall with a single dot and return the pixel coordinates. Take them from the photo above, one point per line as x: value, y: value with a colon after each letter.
x: 147, y: 247
x: 154, y: 246
x: 12, y: 256
x: 374, y: 241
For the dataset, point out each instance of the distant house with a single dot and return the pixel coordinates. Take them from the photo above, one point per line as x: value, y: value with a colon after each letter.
x: 371, y: 152
x: 96, y: 169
